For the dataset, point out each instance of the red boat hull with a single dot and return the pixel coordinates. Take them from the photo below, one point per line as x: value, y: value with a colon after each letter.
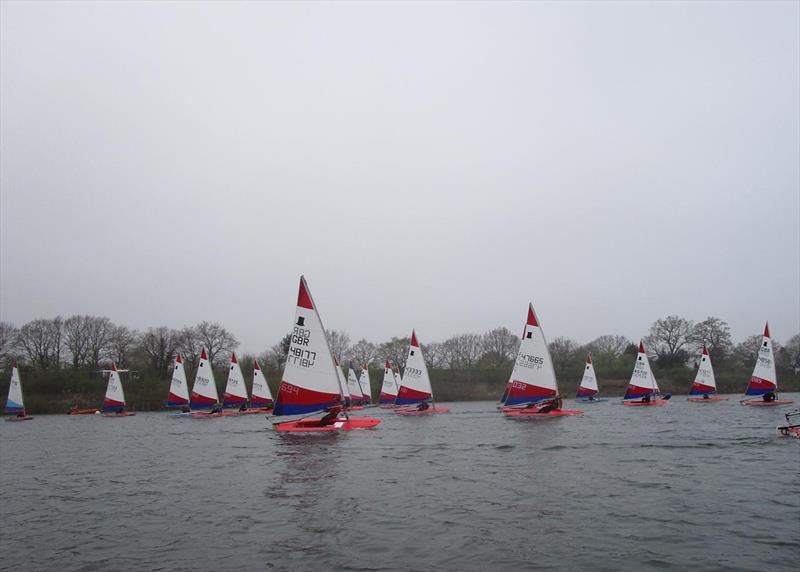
x: 790, y: 431
x: 123, y: 414
x: 762, y: 403
x: 425, y: 412
x: 25, y: 418
x: 206, y: 415
x: 511, y: 412
x: 82, y: 411
x: 710, y: 399
x: 641, y: 404
x: 314, y: 426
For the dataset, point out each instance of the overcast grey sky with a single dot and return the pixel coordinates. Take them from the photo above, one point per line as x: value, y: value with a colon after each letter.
x: 425, y: 165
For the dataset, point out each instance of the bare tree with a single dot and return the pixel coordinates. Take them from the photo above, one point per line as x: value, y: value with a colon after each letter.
x: 746, y: 352
x: 462, y: 351
x: 77, y: 339
x: 715, y: 335
x: 791, y: 353
x: 121, y: 343
x: 363, y: 352
x: 42, y: 341
x: 159, y: 345
x: 339, y: 342
x: 434, y: 356
x: 8, y: 340
x: 395, y: 350
x: 279, y: 352
x: 98, y: 332
x: 669, y: 339
x: 189, y: 345
x: 499, y: 346
x: 217, y: 340
x: 609, y: 345
x: 562, y: 351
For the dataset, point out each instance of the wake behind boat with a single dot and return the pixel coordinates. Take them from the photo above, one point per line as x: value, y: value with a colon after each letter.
x: 310, y: 384
x: 764, y: 381
x: 532, y: 390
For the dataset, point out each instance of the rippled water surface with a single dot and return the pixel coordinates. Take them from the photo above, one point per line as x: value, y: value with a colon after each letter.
x: 706, y: 487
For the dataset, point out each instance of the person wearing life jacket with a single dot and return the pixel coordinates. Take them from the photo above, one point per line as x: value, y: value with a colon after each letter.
x: 769, y: 396
x: 331, y: 416
x: 646, y: 399
x: 705, y: 396
x: 424, y: 405
x: 21, y: 413
x: 217, y: 408
x: 243, y: 406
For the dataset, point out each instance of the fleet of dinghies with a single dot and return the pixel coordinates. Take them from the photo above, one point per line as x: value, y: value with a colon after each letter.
x: 314, y: 397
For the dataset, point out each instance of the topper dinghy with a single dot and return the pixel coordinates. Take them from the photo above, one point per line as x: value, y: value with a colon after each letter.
x: 114, y: 401
x: 15, y: 404
x: 790, y: 429
x: 354, y: 389
x: 705, y: 385
x: 310, y: 385
x: 416, y: 386
x: 764, y: 381
x: 235, y: 390
x: 261, y: 399
x: 532, y: 390
x: 178, y: 388
x: 204, y: 393
x: 642, y: 388
x: 587, y: 390
x: 365, y: 386
x: 389, y: 388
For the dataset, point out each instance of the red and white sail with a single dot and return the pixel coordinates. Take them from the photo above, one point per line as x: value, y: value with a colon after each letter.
x: 533, y: 377
x: 642, y: 382
x: 704, y: 381
x: 204, y: 392
x: 588, y: 386
x: 389, y: 387
x: 235, y: 390
x: 353, y: 387
x: 416, y: 384
x: 178, y: 388
x: 115, y: 397
x: 364, y: 384
x: 346, y: 397
x: 262, y: 396
x: 15, y: 402
x: 309, y: 382
x: 764, y: 379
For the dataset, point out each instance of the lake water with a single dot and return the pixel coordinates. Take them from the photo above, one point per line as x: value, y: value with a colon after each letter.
x: 685, y: 486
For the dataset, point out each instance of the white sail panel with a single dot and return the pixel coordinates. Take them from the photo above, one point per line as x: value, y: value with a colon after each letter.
x: 764, y: 379
x: 262, y: 396
x: 235, y: 389
x: 588, y: 386
x: 204, y: 392
x: 642, y: 382
x: 533, y: 377
x: 178, y: 388
x: 364, y: 384
x: 115, y: 397
x: 15, y: 402
x: 416, y: 385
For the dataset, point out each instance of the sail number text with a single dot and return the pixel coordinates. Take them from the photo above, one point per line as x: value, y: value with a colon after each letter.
x: 528, y: 360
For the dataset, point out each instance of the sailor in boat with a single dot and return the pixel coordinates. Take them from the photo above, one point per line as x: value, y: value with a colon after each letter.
x: 769, y: 396
x: 705, y: 396
x: 243, y: 406
x: 186, y: 409
x: 646, y: 399
x: 424, y: 405
x: 23, y: 414
x: 217, y: 408
x: 331, y: 416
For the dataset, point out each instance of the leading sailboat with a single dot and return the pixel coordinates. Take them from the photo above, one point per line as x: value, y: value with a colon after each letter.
x: 310, y: 385
x: 532, y: 390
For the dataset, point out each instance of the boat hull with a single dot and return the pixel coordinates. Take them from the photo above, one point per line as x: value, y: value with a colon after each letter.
x: 314, y: 426
x: 643, y: 404
x: 762, y: 403
x: 595, y: 400
x: 205, y: 415
x: 425, y: 412
x: 15, y: 418
x: 789, y: 431
x: 533, y: 413
x: 123, y: 414
x: 710, y: 399
x: 82, y: 411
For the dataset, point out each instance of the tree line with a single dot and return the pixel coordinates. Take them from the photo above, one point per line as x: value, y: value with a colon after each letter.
x: 64, y: 355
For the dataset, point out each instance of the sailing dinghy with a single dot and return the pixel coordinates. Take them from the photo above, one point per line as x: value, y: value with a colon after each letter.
x: 261, y: 399
x: 416, y: 385
x: 15, y: 404
x: 642, y: 388
x: 532, y: 390
x: 204, y: 393
x: 310, y: 385
x: 705, y: 384
x: 235, y: 394
x: 365, y: 386
x: 114, y: 401
x: 388, y: 389
x: 764, y: 381
x: 178, y: 388
x: 354, y: 389
x: 587, y: 390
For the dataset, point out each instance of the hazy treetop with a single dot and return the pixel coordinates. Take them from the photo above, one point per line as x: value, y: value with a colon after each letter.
x: 428, y: 165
